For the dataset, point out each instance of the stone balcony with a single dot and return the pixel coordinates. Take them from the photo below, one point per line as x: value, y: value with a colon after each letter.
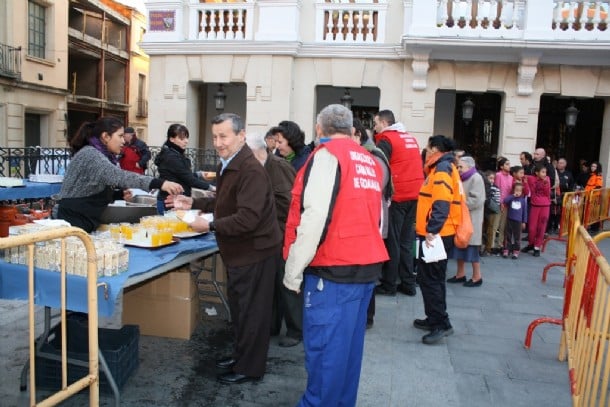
x: 552, y: 31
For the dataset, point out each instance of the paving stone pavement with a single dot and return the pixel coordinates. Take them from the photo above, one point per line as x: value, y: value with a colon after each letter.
x: 483, y: 364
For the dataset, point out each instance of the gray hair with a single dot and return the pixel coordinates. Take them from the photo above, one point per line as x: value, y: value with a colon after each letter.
x: 236, y: 121
x: 256, y: 141
x: 468, y: 160
x: 335, y: 119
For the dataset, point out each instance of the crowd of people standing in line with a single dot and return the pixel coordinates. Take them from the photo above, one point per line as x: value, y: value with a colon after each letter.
x: 310, y: 233
x: 528, y: 198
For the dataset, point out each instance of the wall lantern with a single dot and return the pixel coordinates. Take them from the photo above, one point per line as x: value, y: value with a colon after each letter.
x: 219, y: 98
x: 571, y: 116
x: 347, y: 99
x: 467, y: 110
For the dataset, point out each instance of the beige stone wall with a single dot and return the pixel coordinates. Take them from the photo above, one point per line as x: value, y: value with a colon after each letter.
x: 52, y: 69
x: 15, y: 103
x: 43, y: 83
x: 281, y: 87
x: 139, y: 65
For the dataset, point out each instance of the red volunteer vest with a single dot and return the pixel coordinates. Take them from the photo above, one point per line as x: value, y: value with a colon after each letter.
x: 405, y: 164
x: 352, y: 236
x: 129, y: 159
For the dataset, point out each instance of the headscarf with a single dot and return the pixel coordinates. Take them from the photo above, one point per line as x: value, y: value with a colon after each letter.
x: 99, y: 146
x: 467, y: 174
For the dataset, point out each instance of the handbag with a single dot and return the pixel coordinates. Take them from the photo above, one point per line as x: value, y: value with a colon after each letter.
x: 492, y: 206
x: 464, y: 230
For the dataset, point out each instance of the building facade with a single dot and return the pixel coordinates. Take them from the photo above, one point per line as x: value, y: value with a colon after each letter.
x: 519, y: 64
x: 64, y: 62
x: 33, y: 67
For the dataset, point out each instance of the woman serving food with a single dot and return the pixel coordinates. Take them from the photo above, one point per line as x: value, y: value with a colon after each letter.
x: 174, y: 165
x: 93, y: 179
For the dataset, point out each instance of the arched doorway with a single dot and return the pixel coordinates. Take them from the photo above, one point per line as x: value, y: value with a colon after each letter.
x: 580, y: 142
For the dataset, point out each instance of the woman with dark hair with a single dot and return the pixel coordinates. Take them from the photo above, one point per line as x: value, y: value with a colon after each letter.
x: 93, y: 174
x: 438, y: 213
x: 291, y: 143
x: 595, y: 181
x: 173, y: 165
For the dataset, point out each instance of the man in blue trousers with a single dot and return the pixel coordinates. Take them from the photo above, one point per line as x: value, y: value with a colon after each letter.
x: 334, y: 253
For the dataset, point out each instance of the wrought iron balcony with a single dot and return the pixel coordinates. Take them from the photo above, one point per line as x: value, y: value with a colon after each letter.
x: 25, y: 161
x: 10, y: 61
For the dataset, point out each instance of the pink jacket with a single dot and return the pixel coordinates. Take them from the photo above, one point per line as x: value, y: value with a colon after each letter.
x: 504, y: 182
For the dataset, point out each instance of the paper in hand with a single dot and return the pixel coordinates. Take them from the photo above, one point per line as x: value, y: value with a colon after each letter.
x: 433, y: 251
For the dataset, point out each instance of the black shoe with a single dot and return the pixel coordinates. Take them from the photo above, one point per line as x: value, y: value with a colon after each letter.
x: 436, y: 335
x: 369, y: 324
x: 527, y: 248
x: 422, y: 324
x: 471, y: 283
x: 536, y: 252
x: 456, y: 279
x: 407, y: 290
x: 381, y: 290
x: 226, y: 363
x: 236, y: 378
x: 288, y: 342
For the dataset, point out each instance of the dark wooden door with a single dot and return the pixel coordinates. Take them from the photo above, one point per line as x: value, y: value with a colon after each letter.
x: 581, y: 142
x: 479, y: 137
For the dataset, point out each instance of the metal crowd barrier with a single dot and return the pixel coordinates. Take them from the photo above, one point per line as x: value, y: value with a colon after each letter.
x: 573, y: 204
x: 585, y: 339
x: 90, y: 380
x: 596, y: 207
x: 585, y: 321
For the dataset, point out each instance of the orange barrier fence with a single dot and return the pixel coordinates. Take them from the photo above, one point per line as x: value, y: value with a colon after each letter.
x: 90, y: 380
x: 596, y: 207
x: 573, y: 204
x: 586, y: 319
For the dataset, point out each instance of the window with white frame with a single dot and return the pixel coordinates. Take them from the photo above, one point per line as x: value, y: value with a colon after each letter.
x: 36, y: 29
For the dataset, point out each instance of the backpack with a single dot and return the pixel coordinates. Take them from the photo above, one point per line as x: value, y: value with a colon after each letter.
x: 491, y: 206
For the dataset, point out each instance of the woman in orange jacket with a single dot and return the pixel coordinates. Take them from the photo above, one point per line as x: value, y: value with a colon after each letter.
x: 595, y: 181
x: 438, y: 213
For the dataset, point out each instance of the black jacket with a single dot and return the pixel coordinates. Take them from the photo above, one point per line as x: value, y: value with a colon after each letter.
x: 174, y: 166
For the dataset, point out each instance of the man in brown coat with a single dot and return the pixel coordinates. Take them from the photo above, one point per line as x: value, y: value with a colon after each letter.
x: 249, y: 240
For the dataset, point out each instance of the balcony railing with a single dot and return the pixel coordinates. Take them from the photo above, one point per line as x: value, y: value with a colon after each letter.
x: 350, y: 22
x: 478, y: 16
x: 347, y: 22
x: 223, y: 21
x: 581, y: 15
x: 142, y: 108
x: 10, y: 61
x: 505, y: 18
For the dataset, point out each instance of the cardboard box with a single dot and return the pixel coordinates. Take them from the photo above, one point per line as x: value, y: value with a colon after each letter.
x: 167, y: 306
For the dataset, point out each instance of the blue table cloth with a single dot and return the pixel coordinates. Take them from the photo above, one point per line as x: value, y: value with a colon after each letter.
x: 14, y: 281
x: 30, y: 190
